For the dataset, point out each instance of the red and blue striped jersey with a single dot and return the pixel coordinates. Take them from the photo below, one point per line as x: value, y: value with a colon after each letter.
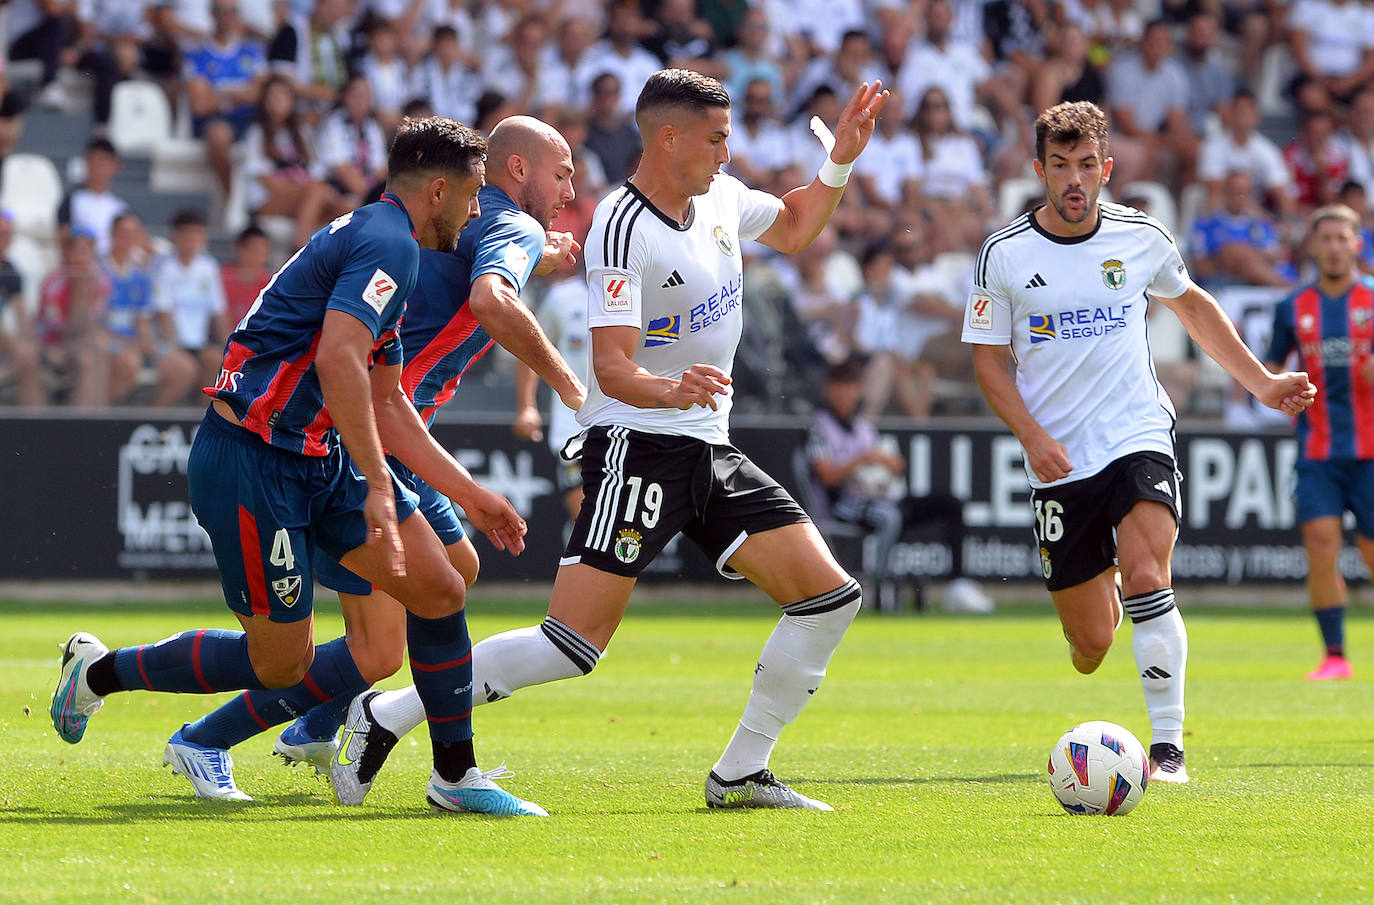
x: 364, y: 264
x: 440, y: 330
x: 1332, y: 339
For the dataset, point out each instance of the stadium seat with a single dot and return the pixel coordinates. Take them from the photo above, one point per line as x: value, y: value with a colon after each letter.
x: 34, y: 258
x: 1190, y: 203
x: 31, y: 189
x: 140, y: 117
x: 1277, y: 69
x: 1014, y: 195
x: 1160, y: 199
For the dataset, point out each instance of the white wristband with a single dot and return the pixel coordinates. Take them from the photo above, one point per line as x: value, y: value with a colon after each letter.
x: 833, y: 174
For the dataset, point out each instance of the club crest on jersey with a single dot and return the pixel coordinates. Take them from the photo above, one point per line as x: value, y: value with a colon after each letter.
x: 1113, y: 273
x: 627, y: 545
x: 380, y: 288
x: 1042, y: 328
x: 723, y: 241
x: 663, y: 331
x: 288, y: 589
x: 1045, y: 566
x: 1359, y: 316
x: 615, y: 293
x: 980, y: 313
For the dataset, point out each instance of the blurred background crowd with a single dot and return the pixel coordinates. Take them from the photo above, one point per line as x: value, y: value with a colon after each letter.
x: 162, y: 158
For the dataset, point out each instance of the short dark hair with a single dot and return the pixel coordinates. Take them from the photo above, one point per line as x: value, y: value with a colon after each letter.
x: 681, y: 88
x: 1068, y: 124
x: 850, y: 370
x: 445, y: 33
x: 188, y: 216
x: 251, y: 231
x: 434, y: 145
x: 103, y: 145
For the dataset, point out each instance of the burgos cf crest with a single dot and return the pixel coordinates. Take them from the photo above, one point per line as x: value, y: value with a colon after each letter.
x: 1041, y: 328
x: 627, y: 545
x: 1113, y: 273
x: 723, y: 241
x: 288, y: 589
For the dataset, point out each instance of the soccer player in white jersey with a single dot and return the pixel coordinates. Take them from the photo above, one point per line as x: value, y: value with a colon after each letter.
x: 664, y: 289
x: 1056, y: 319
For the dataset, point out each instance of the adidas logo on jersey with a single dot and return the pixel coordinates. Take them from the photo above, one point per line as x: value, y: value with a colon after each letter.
x: 1036, y: 282
x: 1164, y: 488
x: 674, y: 279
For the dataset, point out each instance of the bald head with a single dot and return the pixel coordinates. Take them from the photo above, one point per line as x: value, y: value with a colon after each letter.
x: 531, y: 162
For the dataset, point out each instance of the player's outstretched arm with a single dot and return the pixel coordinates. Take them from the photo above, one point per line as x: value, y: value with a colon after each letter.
x: 1290, y: 392
x: 806, y: 210
x: 510, y: 322
x: 1047, y: 457
x: 622, y: 378
x: 405, y: 435
x: 341, y: 365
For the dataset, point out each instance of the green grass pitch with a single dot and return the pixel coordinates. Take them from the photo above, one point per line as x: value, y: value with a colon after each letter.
x: 929, y: 737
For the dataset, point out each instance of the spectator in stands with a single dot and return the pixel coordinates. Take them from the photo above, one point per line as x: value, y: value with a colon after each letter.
x: 758, y: 144
x: 283, y: 176
x: 611, y: 133
x: 1240, y: 146
x: 861, y: 474
x: 136, y: 341
x: 934, y: 310
x: 40, y: 30
x: 245, y: 276
x: 953, y: 185
x: 563, y: 64
x: 679, y: 38
x: 352, y: 144
x: 750, y: 59
x: 187, y: 284
x: 516, y: 67
x: 107, y: 35
x: 1239, y: 244
x: 853, y: 63
x: 92, y: 205
x: 1210, y: 83
x: 1068, y: 74
x: 813, y: 28
x: 223, y: 78
x: 1317, y: 163
x: 18, y: 353
x: 1148, y: 95
x: 446, y: 80
x: 956, y: 66
x: 12, y: 107
x: 1358, y: 136
x: 824, y: 310
x: 1019, y: 33
x: 1115, y: 25
x: 387, y: 74
x: 621, y: 53
x: 311, y: 49
x: 892, y: 368
x: 889, y: 174
x: 1332, y: 42
x: 70, y: 323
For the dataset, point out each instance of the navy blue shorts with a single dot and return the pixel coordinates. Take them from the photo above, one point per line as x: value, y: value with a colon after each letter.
x: 267, y: 510
x: 1330, y: 487
x: 434, y: 506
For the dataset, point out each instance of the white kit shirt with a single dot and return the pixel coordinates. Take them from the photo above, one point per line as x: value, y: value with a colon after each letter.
x: 1073, y: 312
x: 193, y: 293
x: 681, y: 285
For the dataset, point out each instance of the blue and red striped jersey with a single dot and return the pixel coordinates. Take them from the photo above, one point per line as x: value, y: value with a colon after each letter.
x: 443, y: 336
x: 1332, y: 339
x: 364, y: 264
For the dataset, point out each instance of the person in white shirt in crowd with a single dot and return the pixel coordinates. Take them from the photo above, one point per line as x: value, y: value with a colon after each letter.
x: 444, y: 77
x: 759, y: 149
x: 953, y: 187
x: 894, y: 367
x: 942, y: 60
x: 515, y: 66
x: 890, y: 172
x: 1332, y: 41
x: 352, y: 144
x: 816, y: 27
x: 1358, y: 137
x: 934, y: 307
x: 620, y: 52
x: 820, y: 287
x: 387, y: 73
x: 186, y: 283
x: 1240, y: 146
x: 92, y: 205
x: 283, y: 174
x: 1147, y: 92
x: 562, y: 62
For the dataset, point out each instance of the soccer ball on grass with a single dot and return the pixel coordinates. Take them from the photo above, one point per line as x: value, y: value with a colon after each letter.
x: 1098, y: 768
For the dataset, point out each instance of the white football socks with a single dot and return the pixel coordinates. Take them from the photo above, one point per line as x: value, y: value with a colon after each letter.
x: 1160, y: 643
x: 501, y: 665
x: 789, y: 671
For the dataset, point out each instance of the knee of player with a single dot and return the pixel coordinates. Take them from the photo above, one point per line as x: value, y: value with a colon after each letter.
x: 377, y: 662
x: 1091, y: 645
x: 445, y: 595
x: 1142, y: 578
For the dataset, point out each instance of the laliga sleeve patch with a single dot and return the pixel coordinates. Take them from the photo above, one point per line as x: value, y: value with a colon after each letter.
x: 380, y: 288
x: 615, y: 293
x: 980, y: 312
x: 517, y: 259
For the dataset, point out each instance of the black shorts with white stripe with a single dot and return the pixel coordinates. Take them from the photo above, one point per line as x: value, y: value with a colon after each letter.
x: 640, y: 489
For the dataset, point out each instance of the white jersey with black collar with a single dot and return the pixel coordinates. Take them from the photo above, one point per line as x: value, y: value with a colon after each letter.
x: 681, y: 285
x: 1073, y: 311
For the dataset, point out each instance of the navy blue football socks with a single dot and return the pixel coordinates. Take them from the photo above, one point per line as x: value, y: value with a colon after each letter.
x: 1331, y: 621
x: 201, y: 661
x: 441, y: 667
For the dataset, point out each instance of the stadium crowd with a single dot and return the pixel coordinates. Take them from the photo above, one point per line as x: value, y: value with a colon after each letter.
x: 1231, y: 121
